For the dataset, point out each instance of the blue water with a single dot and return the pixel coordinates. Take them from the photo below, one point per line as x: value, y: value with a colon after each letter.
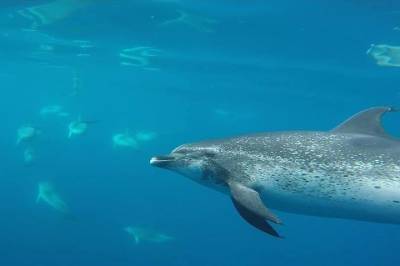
x: 239, y: 67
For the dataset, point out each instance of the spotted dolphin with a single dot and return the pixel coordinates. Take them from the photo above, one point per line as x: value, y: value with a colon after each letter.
x: 143, y: 234
x: 26, y: 133
x: 349, y: 172
x: 124, y: 140
x: 79, y: 127
x: 48, y: 195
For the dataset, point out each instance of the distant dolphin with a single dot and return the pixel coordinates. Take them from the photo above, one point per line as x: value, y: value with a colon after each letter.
x: 29, y: 156
x: 78, y: 127
x: 26, y: 133
x: 51, y: 109
x: 124, y: 140
x: 47, y: 194
x: 350, y: 172
x: 142, y: 234
x: 57, y: 110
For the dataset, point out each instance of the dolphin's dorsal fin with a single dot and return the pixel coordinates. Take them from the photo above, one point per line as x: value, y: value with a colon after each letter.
x: 368, y: 122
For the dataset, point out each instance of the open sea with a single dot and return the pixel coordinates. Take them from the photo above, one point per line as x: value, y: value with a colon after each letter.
x: 92, y: 89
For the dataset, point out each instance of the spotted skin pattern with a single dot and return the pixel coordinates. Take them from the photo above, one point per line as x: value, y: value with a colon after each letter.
x: 351, y: 176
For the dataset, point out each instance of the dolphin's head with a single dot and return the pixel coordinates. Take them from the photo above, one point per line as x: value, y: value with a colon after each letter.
x: 194, y: 161
x: 186, y: 159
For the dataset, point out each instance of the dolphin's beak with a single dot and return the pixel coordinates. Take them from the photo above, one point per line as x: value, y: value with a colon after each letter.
x: 162, y: 161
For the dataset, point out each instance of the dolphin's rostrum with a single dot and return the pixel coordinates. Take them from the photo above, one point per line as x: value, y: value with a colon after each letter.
x: 350, y: 172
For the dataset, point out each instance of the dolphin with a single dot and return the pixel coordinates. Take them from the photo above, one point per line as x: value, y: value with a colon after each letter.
x: 57, y: 110
x: 124, y: 140
x: 29, y: 156
x: 51, y: 109
x: 78, y: 127
x: 349, y: 172
x: 26, y: 133
x: 48, y: 194
x: 142, y: 234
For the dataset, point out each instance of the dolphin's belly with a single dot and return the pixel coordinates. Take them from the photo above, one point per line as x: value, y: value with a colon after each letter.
x: 367, y: 199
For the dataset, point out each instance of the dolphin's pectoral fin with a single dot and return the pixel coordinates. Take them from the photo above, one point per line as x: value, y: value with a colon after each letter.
x: 366, y: 122
x: 250, y: 199
x: 255, y: 220
x: 249, y: 205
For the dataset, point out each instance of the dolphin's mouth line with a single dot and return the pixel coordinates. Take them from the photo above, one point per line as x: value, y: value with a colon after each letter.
x: 161, y: 160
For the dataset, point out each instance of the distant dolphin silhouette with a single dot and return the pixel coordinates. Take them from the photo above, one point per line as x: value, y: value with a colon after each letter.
x: 142, y: 234
x: 26, y: 133
x: 29, y: 156
x: 56, y: 110
x: 47, y: 194
x: 124, y: 140
x: 351, y: 172
x: 78, y: 127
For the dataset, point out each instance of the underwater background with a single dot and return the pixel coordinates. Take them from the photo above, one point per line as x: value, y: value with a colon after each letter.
x: 163, y: 73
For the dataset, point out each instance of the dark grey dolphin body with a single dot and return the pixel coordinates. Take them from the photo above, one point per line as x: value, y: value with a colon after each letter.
x: 351, y: 172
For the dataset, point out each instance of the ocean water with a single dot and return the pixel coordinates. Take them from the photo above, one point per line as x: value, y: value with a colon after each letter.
x: 178, y: 72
